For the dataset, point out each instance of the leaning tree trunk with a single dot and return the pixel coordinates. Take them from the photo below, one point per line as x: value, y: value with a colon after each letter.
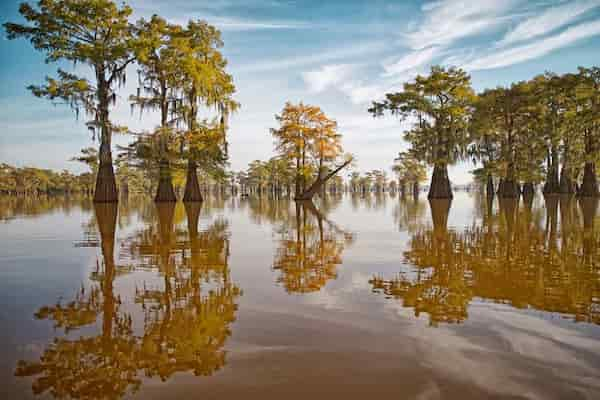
x: 165, y: 192
x: 106, y: 184
x: 192, y: 187
x: 319, y: 182
x: 440, y: 184
x: 589, y: 185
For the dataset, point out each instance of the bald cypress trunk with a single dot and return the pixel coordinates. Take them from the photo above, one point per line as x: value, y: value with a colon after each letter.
x: 106, y: 184
x: 165, y: 191
x: 589, y: 185
x: 192, y: 186
x: 528, y: 190
x: 552, y: 182
x: 566, y: 184
x: 489, y: 188
x: 440, y: 183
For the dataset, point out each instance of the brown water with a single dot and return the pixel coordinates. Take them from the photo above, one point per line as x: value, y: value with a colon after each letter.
x: 351, y: 296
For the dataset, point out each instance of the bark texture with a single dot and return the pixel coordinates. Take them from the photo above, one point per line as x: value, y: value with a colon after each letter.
x: 192, y: 186
x: 309, y: 193
x: 552, y: 185
x: 589, y: 185
x: 509, y: 189
x: 566, y: 184
x: 489, y: 187
x: 528, y: 190
x: 106, y: 184
x: 440, y: 184
x: 165, y: 192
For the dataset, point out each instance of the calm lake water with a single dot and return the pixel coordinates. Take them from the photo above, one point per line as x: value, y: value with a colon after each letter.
x: 349, y: 296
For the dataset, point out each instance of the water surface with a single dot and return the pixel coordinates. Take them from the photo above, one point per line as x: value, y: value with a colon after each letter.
x: 351, y: 295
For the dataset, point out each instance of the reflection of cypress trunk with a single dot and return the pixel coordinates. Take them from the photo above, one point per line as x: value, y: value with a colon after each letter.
x: 589, y: 207
x: 402, y: 187
x: 192, y: 186
x: 508, y: 208
x: 106, y: 185
x: 164, y: 191
x: 552, y: 185
x: 415, y: 190
x: 106, y: 217
x: 551, y: 220
x: 440, y: 184
x: 192, y: 211
x: 589, y: 185
x: 440, y: 208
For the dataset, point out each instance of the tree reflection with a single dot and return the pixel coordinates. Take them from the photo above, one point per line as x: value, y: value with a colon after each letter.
x: 515, y: 257
x: 310, y: 249
x: 104, y: 365
x: 186, y: 314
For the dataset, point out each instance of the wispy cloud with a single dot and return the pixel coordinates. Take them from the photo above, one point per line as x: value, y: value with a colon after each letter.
x: 319, y: 57
x: 446, y: 21
x: 411, y: 61
x: 548, y: 21
x: 327, y: 76
x: 536, y: 49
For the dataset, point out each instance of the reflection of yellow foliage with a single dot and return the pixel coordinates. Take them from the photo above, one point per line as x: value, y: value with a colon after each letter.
x: 309, y: 251
x: 511, y: 257
x: 186, y: 322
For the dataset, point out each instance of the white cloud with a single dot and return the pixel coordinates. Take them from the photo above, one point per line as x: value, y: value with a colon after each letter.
x: 548, y: 21
x: 536, y: 49
x: 320, y: 56
x: 448, y: 20
x: 239, y: 24
x: 411, y: 61
x: 360, y: 93
x: 327, y: 76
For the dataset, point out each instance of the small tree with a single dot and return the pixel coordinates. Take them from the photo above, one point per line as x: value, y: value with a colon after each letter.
x: 307, y: 136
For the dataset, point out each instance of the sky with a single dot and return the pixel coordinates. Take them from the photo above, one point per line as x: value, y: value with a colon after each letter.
x: 337, y: 54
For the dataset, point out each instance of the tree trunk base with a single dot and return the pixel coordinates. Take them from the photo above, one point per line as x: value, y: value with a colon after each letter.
x: 509, y: 189
x: 165, y: 192
x: 192, y: 186
x: 106, y: 185
x: 528, y: 190
x: 589, y: 186
x: 489, y: 187
x: 440, y: 184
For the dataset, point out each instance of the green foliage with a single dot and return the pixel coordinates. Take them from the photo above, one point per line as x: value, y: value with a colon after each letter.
x: 438, y: 106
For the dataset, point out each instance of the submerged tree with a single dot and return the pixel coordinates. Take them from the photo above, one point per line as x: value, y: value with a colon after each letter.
x: 307, y: 136
x: 439, y: 107
x: 96, y: 33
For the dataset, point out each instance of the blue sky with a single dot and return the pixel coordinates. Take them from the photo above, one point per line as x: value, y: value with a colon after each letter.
x: 337, y: 54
